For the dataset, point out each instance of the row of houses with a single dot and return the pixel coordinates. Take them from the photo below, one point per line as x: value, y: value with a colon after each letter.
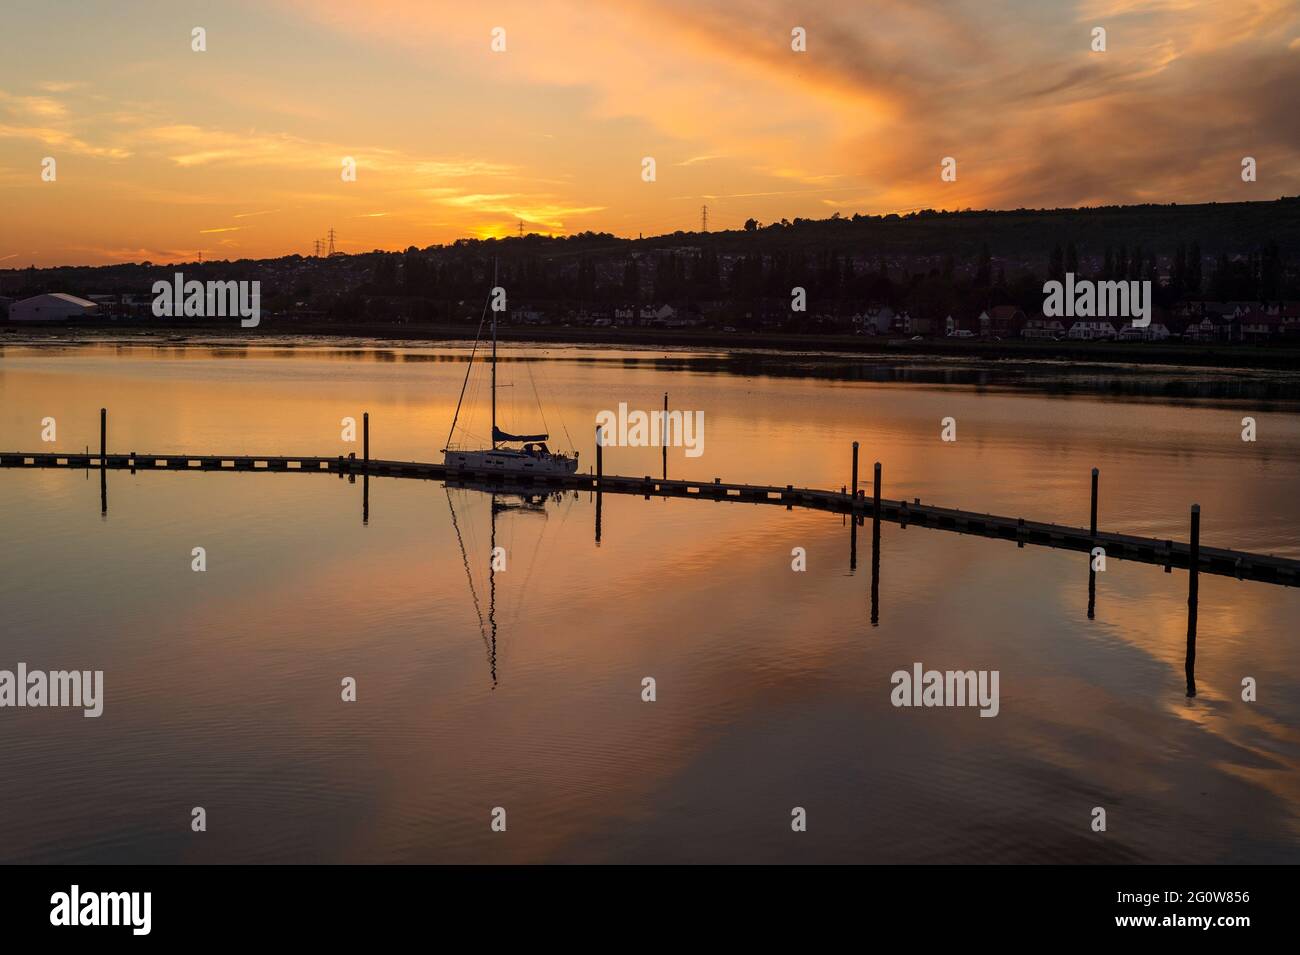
x: 1228, y: 322
x: 1234, y: 322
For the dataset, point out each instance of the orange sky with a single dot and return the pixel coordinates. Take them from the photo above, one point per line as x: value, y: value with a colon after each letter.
x: 163, y: 152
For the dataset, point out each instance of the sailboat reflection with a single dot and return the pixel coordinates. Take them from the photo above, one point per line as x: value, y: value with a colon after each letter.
x: 524, y: 502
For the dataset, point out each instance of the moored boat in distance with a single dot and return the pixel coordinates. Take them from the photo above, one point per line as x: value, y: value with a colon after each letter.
x: 531, y: 457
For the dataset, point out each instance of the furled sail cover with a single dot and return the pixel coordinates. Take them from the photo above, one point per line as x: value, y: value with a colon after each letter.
x: 499, y: 435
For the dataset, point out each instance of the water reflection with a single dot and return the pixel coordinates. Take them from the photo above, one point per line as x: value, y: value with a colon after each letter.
x: 770, y: 695
x: 504, y: 502
x: 505, y: 499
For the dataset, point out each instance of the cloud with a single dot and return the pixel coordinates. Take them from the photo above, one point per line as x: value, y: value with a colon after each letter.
x: 698, y: 159
x: 457, y: 140
x: 48, y: 121
x: 1012, y: 88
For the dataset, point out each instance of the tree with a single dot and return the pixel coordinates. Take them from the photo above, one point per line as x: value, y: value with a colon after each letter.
x: 983, y: 271
x: 631, y: 278
x: 751, y: 225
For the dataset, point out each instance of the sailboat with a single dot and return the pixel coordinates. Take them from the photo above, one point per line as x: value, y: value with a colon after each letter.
x: 531, y: 457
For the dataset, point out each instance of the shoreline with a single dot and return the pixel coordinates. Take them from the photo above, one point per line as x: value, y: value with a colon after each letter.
x: 1218, y: 357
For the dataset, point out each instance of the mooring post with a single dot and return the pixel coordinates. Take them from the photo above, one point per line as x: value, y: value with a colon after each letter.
x: 103, y: 437
x: 1092, y: 592
x: 875, y: 492
x: 365, y: 438
x: 853, y: 542
x: 663, y: 435
x: 1193, y: 589
x: 600, y: 456
x: 853, y: 488
x: 875, y: 567
x: 1092, y: 524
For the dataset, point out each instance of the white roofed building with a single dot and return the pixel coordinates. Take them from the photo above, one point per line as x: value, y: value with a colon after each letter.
x: 52, y: 307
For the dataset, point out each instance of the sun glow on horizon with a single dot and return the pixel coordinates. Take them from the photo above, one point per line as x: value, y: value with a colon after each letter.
x: 165, y: 153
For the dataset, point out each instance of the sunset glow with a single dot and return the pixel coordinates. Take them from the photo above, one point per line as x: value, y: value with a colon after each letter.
x: 164, y: 153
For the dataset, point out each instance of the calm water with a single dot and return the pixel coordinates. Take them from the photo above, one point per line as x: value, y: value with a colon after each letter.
x: 524, y: 690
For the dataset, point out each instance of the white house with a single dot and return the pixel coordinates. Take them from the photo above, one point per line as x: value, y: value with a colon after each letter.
x: 1040, y: 326
x: 664, y: 315
x: 879, y: 318
x: 54, y: 307
x: 1092, y: 329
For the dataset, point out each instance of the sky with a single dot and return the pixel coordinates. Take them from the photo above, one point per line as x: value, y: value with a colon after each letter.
x: 163, y: 153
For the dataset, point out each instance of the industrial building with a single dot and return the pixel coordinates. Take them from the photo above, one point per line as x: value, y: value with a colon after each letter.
x: 52, y: 307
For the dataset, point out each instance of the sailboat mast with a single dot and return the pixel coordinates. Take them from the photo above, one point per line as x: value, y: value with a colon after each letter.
x: 494, y: 360
x: 492, y: 590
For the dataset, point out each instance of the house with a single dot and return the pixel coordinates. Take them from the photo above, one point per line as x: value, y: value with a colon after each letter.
x: 967, y: 325
x: 874, y: 320
x: 1040, y: 326
x: 1214, y: 327
x: 1092, y: 329
x: 1260, y: 326
x: 1289, y: 312
x: 664, y: 315
x: 54, y: 307
x: 918, y: 325
x: 1001, y: 321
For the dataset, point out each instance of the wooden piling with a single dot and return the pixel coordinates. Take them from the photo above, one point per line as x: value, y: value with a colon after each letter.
x: 853, y: 543
x: 1092, y: 523
x: 875, y: 492
x: 365, y: 437
x: 600, y: 456
x: 103, y: 437
x: 875, y: 565
x: 663, y: 436
x: 853, y: 488
x: 1193, y: 598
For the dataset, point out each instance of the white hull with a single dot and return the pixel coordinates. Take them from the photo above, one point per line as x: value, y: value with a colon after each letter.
x: 509, y: 462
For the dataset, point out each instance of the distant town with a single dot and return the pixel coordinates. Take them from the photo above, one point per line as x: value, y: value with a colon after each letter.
x: 1218, y: 273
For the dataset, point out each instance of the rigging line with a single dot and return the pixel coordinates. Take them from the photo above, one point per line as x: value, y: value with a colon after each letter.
x: 564, y: 427
x: 468, y: 365
x: 538, y: 398
x: 465, y: 559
